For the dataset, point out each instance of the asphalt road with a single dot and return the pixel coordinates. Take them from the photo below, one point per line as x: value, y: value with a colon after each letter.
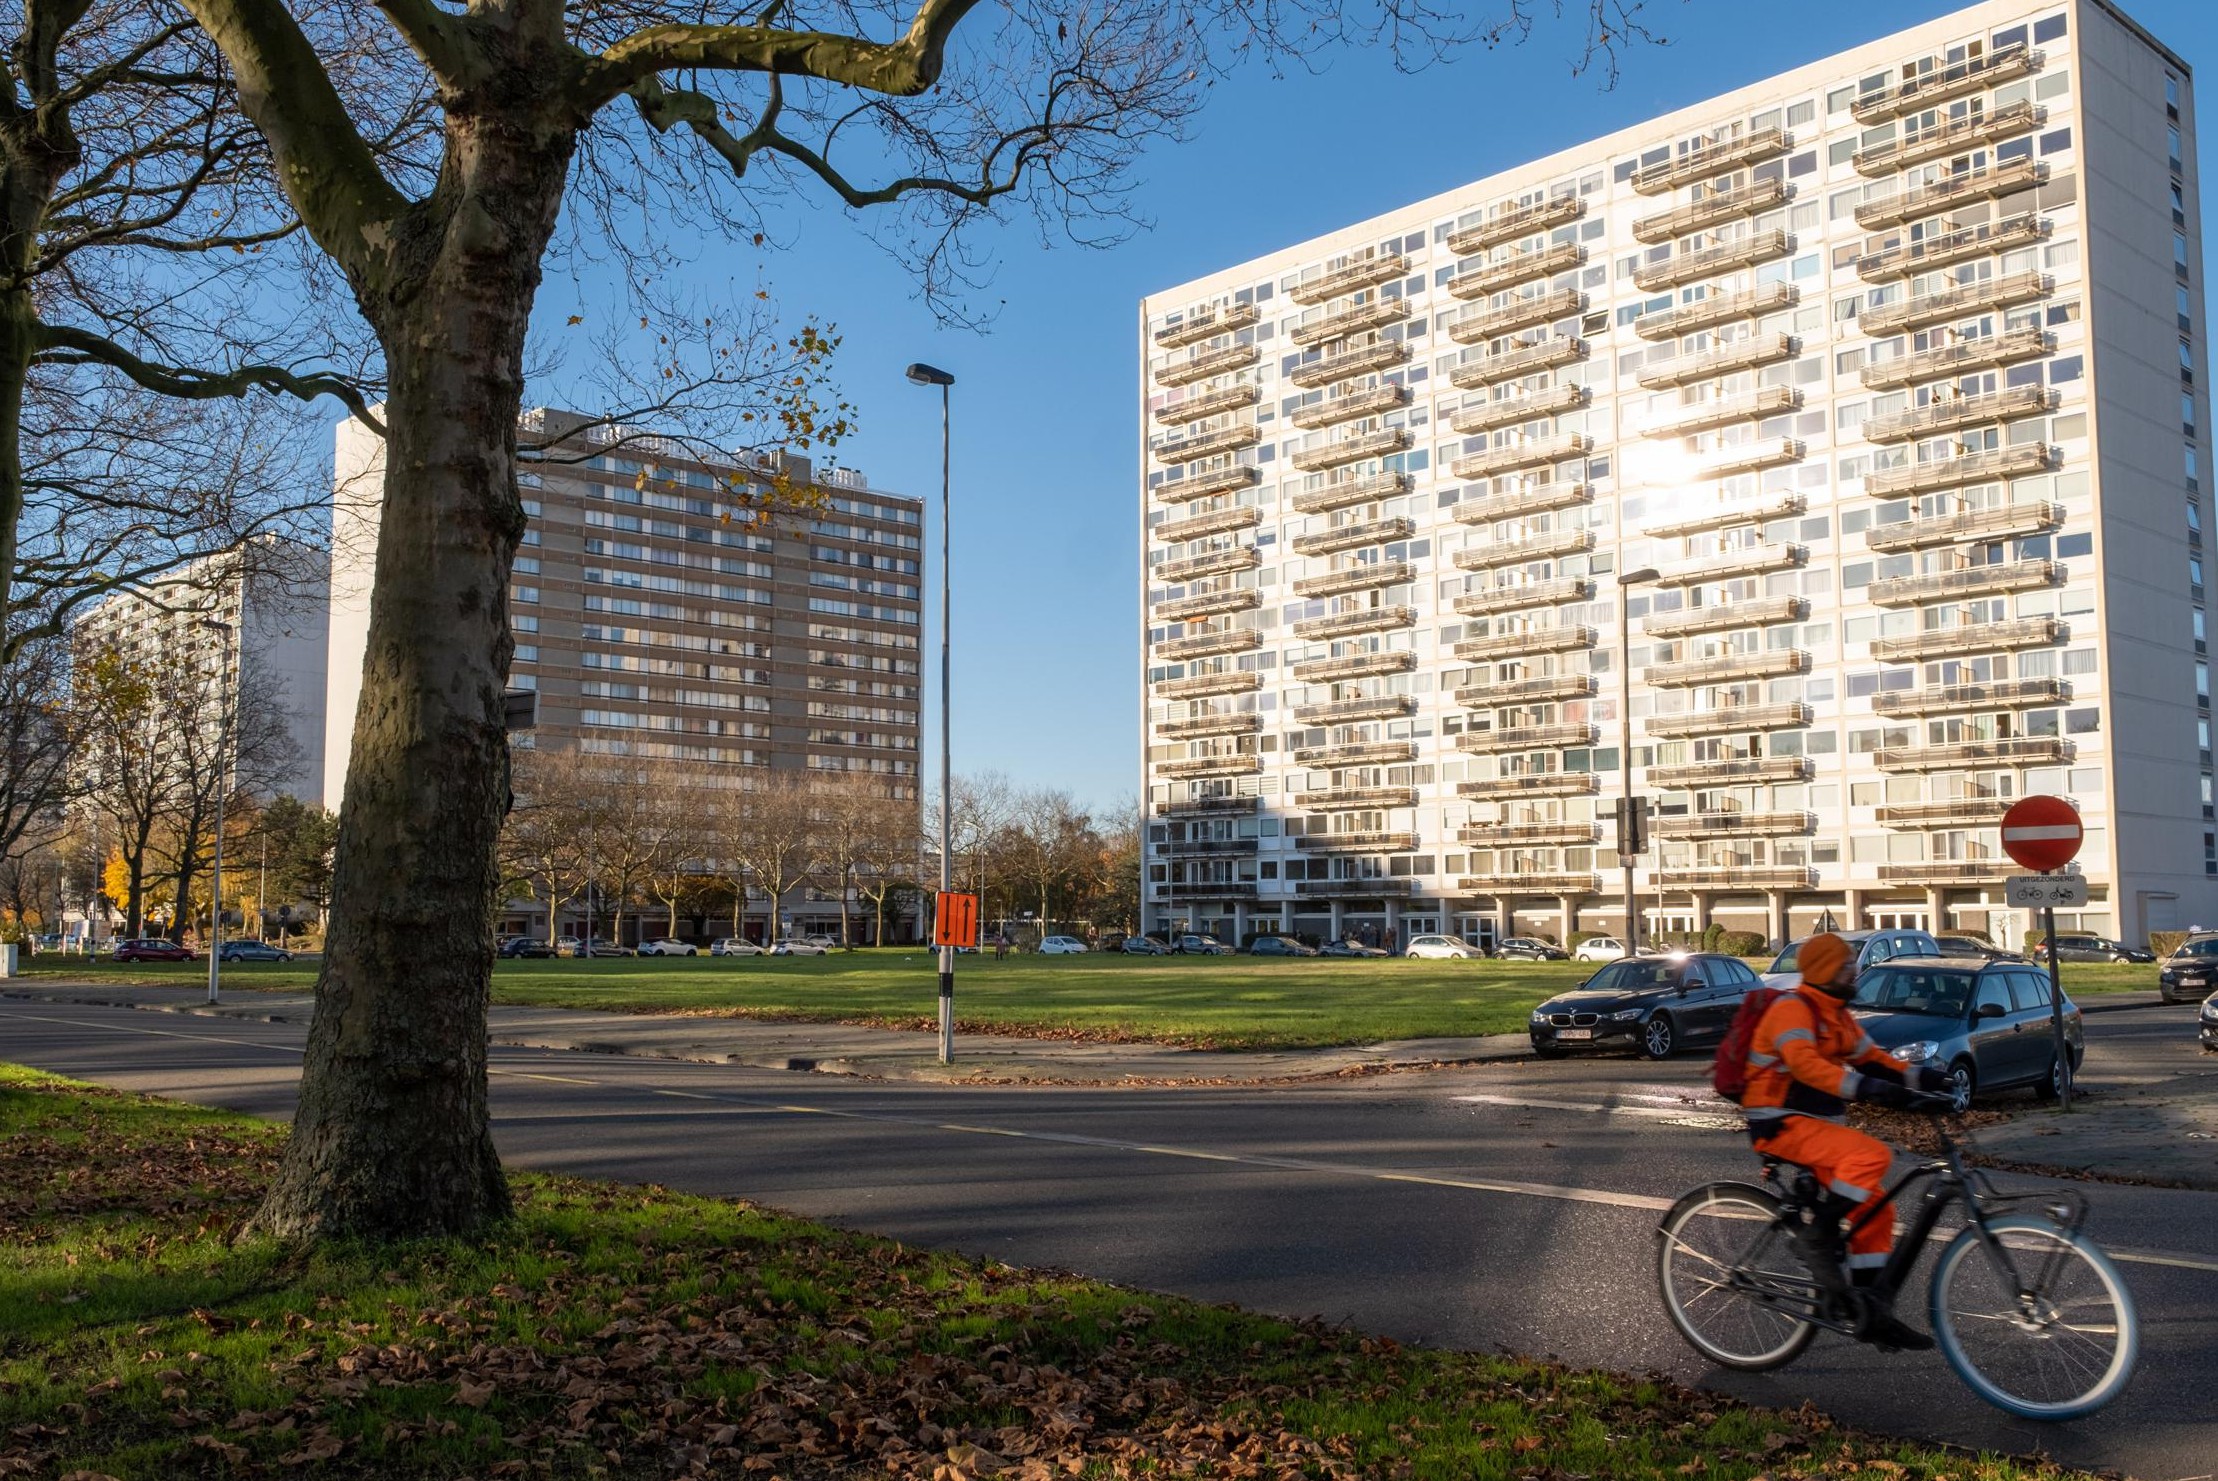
x: 1510, y: 1205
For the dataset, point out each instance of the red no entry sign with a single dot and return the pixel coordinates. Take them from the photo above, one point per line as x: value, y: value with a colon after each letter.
x: 2041, y: 833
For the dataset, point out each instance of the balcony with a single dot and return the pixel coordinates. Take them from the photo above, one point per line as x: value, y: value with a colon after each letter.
x: 1349, y: 711
x: 1215, y: 522
x: 1340, y: 323
x: 1514, y: 596
x: 1231, y: 763
x: 1206, y: 324
x: 1951, y: 137
x: 1973, y: 74
x: 1498, y: 646
x: 1527, y: 738
x: 1356, y: 753
x: 1735, y: 825
x: 1350, y: 537
x: 1950, y: 812
x: 1745, y: 457
x: 1721, y: 616
x: 1718, y: 513
x: 1355, y: 666
x: 1738, y: 877
x: 1188, y: 807
x: 1531, y: 784
x: 2000, y: 694
x: 1947, y: 413
x: 1354, y: 889
x: 1192, y: 445
x: 1535, y: 690
x: 1229, y: 479
x: 1199, y: 686
x: 1712, y: 262
x: 1206, y: 604
x: 1342, y: 493
x: 1558, y: 833
x: 1373, y: 840
x: 1208, y: 404
x: 1532, y: 452
x: 1343, y: 450
x: 1535, y: 881
x: 1749, y: 560
x: 1718, y: 308
x: 1730, y: 720
x: 1699, y: 774
x: 1965, y: 582
x: 1334, y: 410
x: 1907, y: 259
x: 1208, y: 645
x: 1202, y: 364
x: 1956, y: 303
x: 1206, y: 848
x: 1539, y: 498
x: 1510, y: 410
x: 1721, y: 411
x: 1971, y: 637
x: 1727, y: 668
x: 1982, y: 353
x: 1348, y: 799
x: 1349, y: 624
x: 1951, y: 190
x: 1499, y: 365
x: 1361, y: 577
x: 1483, y: 279
x: 1948, y: 473
x: 1712, y: 160
x: 1722, y: 205
x: 1202, y: 889
x: 1950, y: 871
x: 1550, y: 545
x: 1340, y: 365
x: 1212, y: 563
x: 1194, y: 727
x: 1482, y: 322
x: 1725, y: 359
x: 1995, y: 522
x: 1509, y: 224
x: 2021, y: 750
x: 1361, y: 272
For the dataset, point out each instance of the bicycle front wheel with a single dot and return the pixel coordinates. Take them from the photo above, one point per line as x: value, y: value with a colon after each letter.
x: 2043, y: 1327
x: 1732, y: 1280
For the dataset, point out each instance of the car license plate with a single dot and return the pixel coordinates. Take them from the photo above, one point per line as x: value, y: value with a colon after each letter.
x: 1574, y: 1033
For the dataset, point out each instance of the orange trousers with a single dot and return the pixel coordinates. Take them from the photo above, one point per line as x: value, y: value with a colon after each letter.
x: 1853, y: 1166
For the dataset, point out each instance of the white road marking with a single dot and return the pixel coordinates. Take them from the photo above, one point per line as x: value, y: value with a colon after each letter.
x: 1683, y: 1114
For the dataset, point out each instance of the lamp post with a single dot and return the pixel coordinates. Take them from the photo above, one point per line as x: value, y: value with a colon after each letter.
x: 926, y: 375
x: 215, y: 878
x: 1625, y: 585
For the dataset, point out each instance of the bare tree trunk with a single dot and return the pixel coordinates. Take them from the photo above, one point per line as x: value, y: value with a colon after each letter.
x: 846, y: 941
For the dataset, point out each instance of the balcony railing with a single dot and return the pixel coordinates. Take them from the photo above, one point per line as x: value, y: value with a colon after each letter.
x: 1206, y: 324
x: 1486, y: 368
x: 1192, y: 445
x: 1723, y: 205
x: 1533, y: 452
x: 1527, y: 738
x: 1212, y: 563
x: 1362, y: 272
x: 1343, y: 493
x: 1721, y: 616
x: 1731, y: 720
x: 1981, y: 353
x: 1187, y: 807
x: 1559, y: 832
x: 1231, y: 763
x: 1209, y: 644
x: 1349, y: 711
x: 1355, y: 666
x: 1738, y: 876
x: 1725, y: 359
x: 1482, y: 322
x: 1350, y: 537
x: 1965, y: 582
x: 1206, y: 604
x: 1957, y: 302
x: 1202, y: 364
x: 1711, y: 262
x: 1971, y: 637
x: 1340, y: 323
x: 1333, y: 410
x: 1362, y: 577
x: 1342, y: 364
x: 1354, y: 889
x: 1907, y: 259
x: 1349, y: 624
x: 2022, y: 750
x: 1194, y: 727
x: 1542, y: 784
x: 1728, y: 668
x: 1951, y: 190
x: 1343, y: 450
x: 1735, y: 825
x: 1208, y: 404
x: 1948, y: 473
x: 1513, y: 596
x: 1356, y: 753
x: 1716, y: 514
x: 1510, y: 410
x: 1548, y: 546
x: 1749, y: 560
x: 1372, y: 840
x: 1971, y: 75
x: 1949, y: 871
x: 1539, y: 688
x: 1732, y: 773
x: 1745, y: 457
x: 1540, y: 498
x: 2000, y: 694
x: 1712, y: 160
x: 1497, y: 646
x: 1530, y: 881
x: 1718, y: 308
x: 1950, y: 137
x: 1206, y: 889
x: 1516, y: 221
x: 1995, y: 522
x: 1225, y: 480
x: 1198, y: 686
x: 1950, y: 812
x: 1720, y: 411
x: 1207, y: 848
x: 1480, y: 279
x: 1215, y: 522
x: 1348, y: 799
x: 1947, y: 413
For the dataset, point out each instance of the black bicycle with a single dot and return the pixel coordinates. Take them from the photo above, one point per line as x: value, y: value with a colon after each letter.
x: 2029, y: 1312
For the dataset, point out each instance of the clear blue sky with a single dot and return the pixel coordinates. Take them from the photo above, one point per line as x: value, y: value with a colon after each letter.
x: 1046, y: 638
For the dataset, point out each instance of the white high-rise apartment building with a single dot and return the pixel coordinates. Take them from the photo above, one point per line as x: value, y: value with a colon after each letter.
x: 1875, y: 392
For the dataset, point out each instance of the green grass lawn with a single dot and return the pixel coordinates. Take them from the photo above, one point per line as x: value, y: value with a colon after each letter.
x: 1211, y: 1002
x: 619, y: 1332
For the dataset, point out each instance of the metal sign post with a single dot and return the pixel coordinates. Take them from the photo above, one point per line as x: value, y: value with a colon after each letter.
x: 2044, y: 833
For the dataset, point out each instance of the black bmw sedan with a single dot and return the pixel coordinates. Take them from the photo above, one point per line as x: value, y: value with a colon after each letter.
x: 1655, y: 1004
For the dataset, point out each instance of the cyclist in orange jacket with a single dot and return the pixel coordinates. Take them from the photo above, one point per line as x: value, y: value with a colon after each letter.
x: 1808, y: 1060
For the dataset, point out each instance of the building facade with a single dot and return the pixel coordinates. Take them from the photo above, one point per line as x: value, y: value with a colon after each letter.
x: 1867, y: 400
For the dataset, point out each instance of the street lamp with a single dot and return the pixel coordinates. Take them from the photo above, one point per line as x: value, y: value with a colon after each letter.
x: 926, y: 375
x: 1625, y: 584
x: 223, y: 740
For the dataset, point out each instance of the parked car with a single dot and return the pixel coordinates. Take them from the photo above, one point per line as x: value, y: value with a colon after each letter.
x: 803, y: 946
x: 1441, y: 948
x: 2191, y: 971
x: 1871, y: 948
x: 153, y: 949
x: 1531, y: 949
x: 1986, y: 1024
x: 607, y: 948
x: 1976, y: 948
x: 668, y: 946
x: 1195, y: 944
x: 1145, y: 946
x: 1599, y: 949
x: 1279, y: 946
x: 1654, y: 1004
x: 734, y: 946
x: 2072, y: 947
x: 525, y: 946
x: 2209, y: 1020
x: 252, y: 951
x: 1062, y: 946
x: 1351, y: 948
x: 568, y: 946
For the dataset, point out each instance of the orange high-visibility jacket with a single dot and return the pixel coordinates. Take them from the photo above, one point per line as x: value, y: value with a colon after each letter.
x: 1807, y: 1058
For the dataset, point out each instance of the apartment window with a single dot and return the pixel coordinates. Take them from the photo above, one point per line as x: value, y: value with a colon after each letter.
x: 2048, y: 29
x: 2171, y: 91
x: 1837, y: 101
x: 1801, y: 113
x: 523, y: 593
x: 2172, y: 137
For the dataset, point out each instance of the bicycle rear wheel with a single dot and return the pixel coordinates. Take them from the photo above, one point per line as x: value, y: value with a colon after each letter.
x: 2048, y: 1333
x: 1732, y: 1279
